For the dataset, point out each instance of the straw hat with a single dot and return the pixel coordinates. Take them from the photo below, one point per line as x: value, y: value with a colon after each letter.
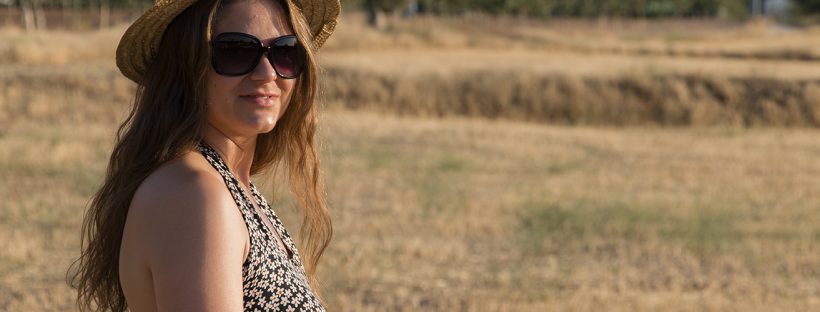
x: 141, y: 41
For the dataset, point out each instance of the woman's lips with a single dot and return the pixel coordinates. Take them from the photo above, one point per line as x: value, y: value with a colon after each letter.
x: 260, y: 100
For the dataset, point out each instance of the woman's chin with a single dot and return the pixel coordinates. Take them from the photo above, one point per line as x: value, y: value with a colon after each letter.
x: 263, y: 127
x: 258, y: 123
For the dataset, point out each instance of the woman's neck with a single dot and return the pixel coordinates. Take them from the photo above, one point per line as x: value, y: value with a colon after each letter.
x: 236, y: 151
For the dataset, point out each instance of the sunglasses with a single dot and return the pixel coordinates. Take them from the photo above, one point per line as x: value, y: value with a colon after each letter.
x: 236, y: 54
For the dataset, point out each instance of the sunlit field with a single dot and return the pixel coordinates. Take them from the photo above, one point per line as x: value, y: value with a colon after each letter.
x: 486, y: 164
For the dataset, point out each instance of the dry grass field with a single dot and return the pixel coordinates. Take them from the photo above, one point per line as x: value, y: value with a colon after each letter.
x: 469, y: 168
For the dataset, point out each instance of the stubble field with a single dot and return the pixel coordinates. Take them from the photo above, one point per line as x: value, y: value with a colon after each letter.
x: 637, y: 172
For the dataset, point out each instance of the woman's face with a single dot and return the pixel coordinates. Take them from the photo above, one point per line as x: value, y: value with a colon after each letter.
x: 247, y: 105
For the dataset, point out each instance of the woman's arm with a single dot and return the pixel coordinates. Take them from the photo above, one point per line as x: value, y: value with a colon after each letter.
x: 193, y: 238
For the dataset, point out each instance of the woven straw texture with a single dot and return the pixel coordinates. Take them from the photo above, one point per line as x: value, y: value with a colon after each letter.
x: 141, y: 40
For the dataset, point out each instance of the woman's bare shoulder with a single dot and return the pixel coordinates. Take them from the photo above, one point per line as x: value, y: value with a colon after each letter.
x: 184, y: 196
x: 185, y: 191
x: 185, y: 226
x: 188, y: 177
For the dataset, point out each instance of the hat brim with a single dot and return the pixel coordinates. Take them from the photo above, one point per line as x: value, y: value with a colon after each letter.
x: 140, y: 41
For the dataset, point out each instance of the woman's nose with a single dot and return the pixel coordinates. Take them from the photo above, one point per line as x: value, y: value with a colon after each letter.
x: 264, y: 70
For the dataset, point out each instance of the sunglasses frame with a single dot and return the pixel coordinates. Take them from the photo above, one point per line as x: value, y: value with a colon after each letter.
x: 263, y: 51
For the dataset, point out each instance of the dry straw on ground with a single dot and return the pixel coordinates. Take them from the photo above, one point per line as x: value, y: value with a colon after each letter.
x: 473, y: 215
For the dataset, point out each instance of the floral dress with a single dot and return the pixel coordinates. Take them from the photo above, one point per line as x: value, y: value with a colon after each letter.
x: 271, y: 280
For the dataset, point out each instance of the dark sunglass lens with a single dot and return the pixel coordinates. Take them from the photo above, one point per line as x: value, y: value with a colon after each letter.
x: 287, y: 57
x: 235, y: 54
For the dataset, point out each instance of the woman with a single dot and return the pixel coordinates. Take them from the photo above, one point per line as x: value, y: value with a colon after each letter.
x: 225, y: 91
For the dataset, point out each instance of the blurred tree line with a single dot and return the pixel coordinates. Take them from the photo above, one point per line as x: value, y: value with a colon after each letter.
x: 588, y: 8
x: 79, y: 4
x: 534, y: 8
x: 32, y: 9
x: 34, y: 17
x: 807, y: 6
x: 566, y: 8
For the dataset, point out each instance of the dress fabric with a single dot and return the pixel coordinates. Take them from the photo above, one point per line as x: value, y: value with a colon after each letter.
x: 271, y: 281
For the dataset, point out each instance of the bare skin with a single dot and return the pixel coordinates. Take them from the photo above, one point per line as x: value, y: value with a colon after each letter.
x: 185, y: 240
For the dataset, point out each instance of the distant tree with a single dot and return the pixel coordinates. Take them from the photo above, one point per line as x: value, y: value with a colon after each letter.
x: 807, y: 6
x: 374, y: 7
x: 33, y: 16
x: 28, y: 15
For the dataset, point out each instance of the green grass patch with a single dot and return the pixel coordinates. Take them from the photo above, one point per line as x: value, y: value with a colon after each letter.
x: 439, y: 195
x: 546, y: 227
x: 449, y: 163
x: 380, y: 158
x: 707, y: 231
x: 564, y: 167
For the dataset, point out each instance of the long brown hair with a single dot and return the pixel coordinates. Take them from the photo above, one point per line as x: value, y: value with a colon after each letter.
x: 166, y: 121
